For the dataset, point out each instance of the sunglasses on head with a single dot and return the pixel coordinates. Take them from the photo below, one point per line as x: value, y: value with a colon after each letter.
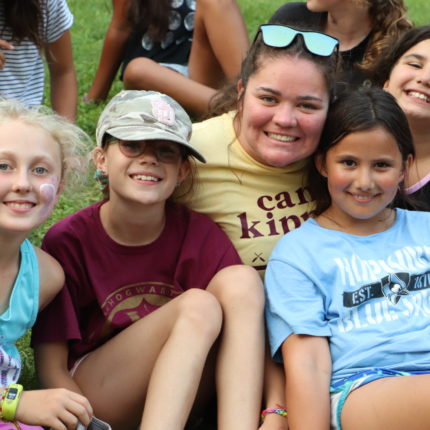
x: 281, y: 36
x: 164, y: 151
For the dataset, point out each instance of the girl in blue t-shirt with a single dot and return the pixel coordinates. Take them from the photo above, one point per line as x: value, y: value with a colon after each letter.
x: 348, y: 304
x: 38, y: 151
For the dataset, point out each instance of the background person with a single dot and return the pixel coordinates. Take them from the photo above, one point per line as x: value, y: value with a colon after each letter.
x: 29, y: 28
x: 363, y: 27
x: 178, y: 48
x: 404, y: 71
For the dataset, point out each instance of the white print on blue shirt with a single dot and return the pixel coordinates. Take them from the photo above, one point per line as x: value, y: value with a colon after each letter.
x: 369, y: 295
x: 379, y: 311
x: 355, y: 270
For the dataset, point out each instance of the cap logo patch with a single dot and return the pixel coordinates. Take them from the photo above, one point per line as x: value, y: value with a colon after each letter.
x: 163, y: 112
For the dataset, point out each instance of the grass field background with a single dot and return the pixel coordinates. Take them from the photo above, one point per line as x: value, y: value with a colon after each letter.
x: 91, y: 20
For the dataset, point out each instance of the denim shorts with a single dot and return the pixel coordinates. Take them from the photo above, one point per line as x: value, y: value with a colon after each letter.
x: 340, y: 391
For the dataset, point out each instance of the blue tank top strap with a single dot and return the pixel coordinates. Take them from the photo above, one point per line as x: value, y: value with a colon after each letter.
x: 24, y: 299
x: 20, y: 315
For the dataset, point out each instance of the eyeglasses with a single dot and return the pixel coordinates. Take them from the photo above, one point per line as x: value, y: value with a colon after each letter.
x: 280, y: 36
x: 165, y: 151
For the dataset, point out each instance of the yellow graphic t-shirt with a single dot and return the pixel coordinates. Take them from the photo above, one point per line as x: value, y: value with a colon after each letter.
x: 253, y: 203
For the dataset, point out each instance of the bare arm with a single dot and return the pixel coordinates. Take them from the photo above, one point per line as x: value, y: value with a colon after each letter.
x: 63, y: 403
x: 4, y: 45
x: 64, y: 87
x: 51, y: 366
x: 51, y: 277
x: 112, y: 52
x: 307, y: 366
x: 274, y: 394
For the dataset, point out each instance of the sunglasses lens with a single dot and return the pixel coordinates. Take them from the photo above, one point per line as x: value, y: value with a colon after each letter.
x: 277, y: 36
x: 320, y: 44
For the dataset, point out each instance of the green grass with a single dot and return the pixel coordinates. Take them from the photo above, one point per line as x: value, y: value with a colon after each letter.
x: 91, y: 20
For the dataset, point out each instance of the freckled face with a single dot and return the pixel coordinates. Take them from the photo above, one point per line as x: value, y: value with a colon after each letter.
x: 363, y: 172
x: 409, y: 82
x: 283, y: 111
x: 30, y: 174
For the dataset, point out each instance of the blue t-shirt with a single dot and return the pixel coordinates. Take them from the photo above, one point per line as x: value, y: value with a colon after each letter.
x: 369, y: 295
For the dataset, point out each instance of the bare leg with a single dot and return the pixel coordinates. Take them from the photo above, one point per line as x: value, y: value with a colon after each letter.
x: 220, y: 42
x: 240, y: 363
x: 395, y: 403
x: 159, y: 358
x: 145, y: 74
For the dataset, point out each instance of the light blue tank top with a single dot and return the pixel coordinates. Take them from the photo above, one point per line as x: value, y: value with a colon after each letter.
x: 20, y: 314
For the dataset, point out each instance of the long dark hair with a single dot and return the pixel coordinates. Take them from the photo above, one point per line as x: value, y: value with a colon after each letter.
x: 151, y: 16
x: 353, y: 111
x: 25, y: 19
x: 407, y: 41
x: 259, y: 53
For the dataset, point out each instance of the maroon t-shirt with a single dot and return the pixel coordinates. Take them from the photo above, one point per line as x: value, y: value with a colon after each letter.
x: 109, y: 286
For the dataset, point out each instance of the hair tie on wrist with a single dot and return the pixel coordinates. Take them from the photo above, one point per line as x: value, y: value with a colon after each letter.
x: 279, y: 410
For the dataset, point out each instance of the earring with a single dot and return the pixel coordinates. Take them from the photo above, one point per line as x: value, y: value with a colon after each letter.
x: 102, y: 177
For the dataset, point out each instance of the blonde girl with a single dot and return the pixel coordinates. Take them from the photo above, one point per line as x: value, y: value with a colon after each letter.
x: 38, y: 151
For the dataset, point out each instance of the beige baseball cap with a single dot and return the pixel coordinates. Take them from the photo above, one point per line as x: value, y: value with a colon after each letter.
x: 146, y: 115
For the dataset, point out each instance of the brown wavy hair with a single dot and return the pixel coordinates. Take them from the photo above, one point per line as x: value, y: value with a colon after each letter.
x: 228, y: 99
x: 150, y: 16
x: 25, y: 19
x: 389, y: 21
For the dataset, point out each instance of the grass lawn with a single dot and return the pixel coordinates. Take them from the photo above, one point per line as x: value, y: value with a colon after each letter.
x: 91, y: 20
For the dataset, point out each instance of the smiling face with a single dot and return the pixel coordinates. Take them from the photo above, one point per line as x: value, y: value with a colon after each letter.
x: 283, y: 111
x: 143, y: 179
x: 363, y: 173
x: 409, y: 82
x: 30, y: 175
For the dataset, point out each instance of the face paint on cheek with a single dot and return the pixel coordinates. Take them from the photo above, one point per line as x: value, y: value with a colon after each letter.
x: 47, y: 192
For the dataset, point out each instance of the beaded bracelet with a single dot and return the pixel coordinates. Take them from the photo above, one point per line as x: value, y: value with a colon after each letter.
x: 10, y: 401
x: 279, y: 410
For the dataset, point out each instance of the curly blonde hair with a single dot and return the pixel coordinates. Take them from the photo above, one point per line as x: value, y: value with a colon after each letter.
x: 389, y: 21
x: 73, y: 141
